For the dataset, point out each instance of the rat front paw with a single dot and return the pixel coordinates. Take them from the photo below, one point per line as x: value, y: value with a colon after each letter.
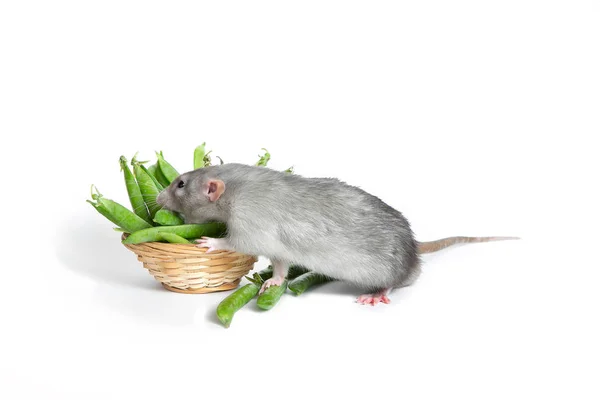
x: 211, y: 244
x: 276, y: 281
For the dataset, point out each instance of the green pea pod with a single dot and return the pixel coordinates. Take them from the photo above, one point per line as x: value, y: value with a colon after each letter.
x: 167, y: 169
x: 261, y: 276
x: 133, y: 190
x: 155, y: 171
x: 199, y: 154
x: 148, y: 189
x: 152, y: 171
x: 238, y: 299
x: 267, y: 299
x: 295, y: 271
x: 173, y: 238
x: 189, y: 231
x: 235, y: 301
x: 102, y: 210
x: 307, y: 280
x: 264, y: 159
x: 118, y: 214
x: 167, y: 217
x: 290, y: 170
x: 265, y: 273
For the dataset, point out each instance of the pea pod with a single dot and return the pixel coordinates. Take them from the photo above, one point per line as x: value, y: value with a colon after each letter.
x: 147, y: 187
x: 167, y: 169
x: 264, y: 159
x: 290, y: 170
x: 235, y: 301
x: 238, y: 299
x: 172, y: 238
x: 199, y: 154
x: 307, y: 280
x: 133, y: 190
x: 118, y: 214
x: 267, y: 299
x: 189, y: 231
x: 295, y: 271
x: 152, y: 171
x: 167, y: 217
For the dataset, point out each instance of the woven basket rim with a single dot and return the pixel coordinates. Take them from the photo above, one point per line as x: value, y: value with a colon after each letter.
x: 181, y: 248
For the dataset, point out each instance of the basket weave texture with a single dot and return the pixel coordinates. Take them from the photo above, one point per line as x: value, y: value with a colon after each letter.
x: 185, y: 268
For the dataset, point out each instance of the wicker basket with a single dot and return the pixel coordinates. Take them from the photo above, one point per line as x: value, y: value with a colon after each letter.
x: 185, y: 268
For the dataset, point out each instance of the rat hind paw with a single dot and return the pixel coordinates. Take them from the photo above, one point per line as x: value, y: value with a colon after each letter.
x: 374, y: 298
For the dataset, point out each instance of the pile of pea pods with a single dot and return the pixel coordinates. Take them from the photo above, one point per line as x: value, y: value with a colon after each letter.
x: 146, y: 221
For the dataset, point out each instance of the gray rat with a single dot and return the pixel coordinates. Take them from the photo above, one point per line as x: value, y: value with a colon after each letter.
x: 322, y: 224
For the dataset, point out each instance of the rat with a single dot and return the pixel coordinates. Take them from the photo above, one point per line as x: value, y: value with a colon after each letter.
x: 322, y: 224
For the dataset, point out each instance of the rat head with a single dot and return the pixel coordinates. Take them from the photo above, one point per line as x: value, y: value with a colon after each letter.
x: 194, y: 194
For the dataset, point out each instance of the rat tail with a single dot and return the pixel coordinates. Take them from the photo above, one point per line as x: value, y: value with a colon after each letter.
x: 436, y: 245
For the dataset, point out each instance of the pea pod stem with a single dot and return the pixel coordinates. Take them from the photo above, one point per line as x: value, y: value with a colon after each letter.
x: 199, y: 153
x: 264, y: 159
x: 207, y: 160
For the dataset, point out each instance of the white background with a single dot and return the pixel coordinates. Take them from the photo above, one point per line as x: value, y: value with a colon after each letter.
x: 472, y: 118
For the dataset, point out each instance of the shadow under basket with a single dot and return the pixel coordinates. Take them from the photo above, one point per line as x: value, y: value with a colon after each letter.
x: 185, y: 268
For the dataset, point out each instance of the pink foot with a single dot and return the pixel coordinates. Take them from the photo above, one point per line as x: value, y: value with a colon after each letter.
x: 275, y: 281
x: 211, y: 243
x: 374, y: 298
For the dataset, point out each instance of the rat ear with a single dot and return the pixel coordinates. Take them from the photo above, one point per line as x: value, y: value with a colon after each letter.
x: 214, y: 188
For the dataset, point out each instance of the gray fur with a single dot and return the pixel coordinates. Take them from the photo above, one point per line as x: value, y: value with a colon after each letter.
x: 321, y: 223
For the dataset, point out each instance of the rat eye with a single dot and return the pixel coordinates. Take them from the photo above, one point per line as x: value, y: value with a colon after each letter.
x: 180, y: 184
